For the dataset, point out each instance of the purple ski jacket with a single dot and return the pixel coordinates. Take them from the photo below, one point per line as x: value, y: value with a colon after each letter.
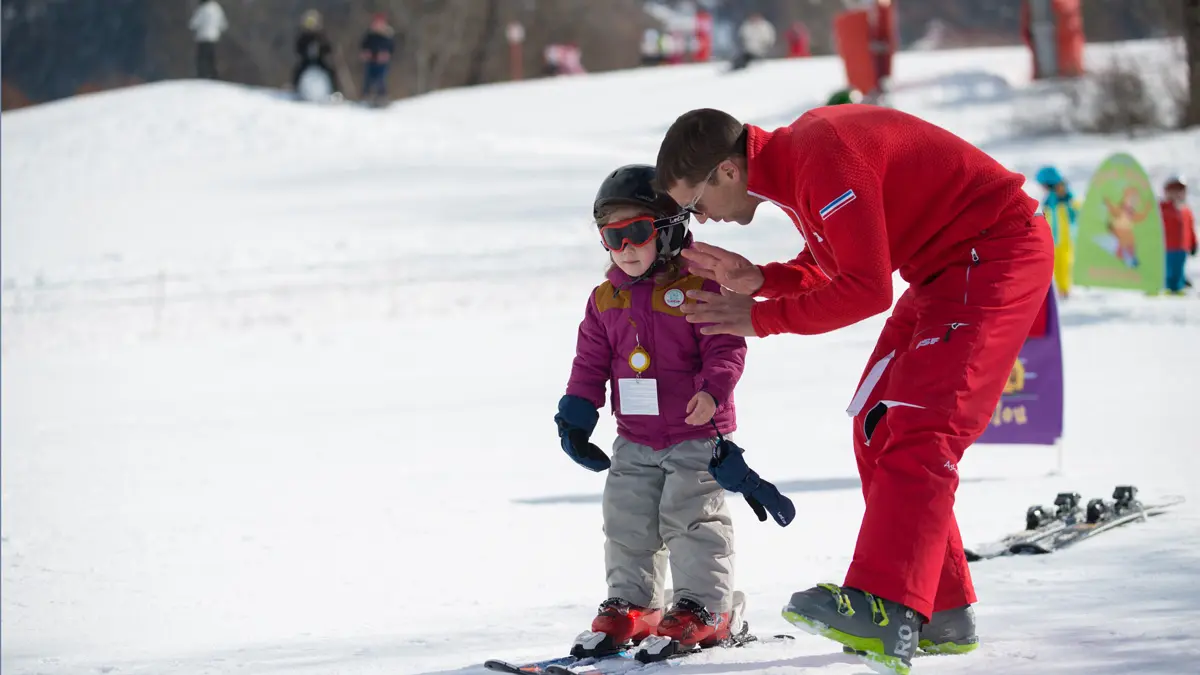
x: 682, y: 361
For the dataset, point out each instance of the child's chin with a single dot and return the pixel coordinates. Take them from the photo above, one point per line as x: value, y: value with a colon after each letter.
x: 633, y: 270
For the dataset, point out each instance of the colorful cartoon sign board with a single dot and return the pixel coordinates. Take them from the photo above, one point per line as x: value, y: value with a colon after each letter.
x: 1031, y: 409
x: 1120, y: 240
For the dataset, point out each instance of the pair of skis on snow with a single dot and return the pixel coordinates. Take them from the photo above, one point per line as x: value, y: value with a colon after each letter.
x: 654, y: 649
x: 1069, y: 522
x: 623, y: 662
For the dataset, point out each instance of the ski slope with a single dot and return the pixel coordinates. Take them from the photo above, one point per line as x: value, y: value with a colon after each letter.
x: 278, y: 384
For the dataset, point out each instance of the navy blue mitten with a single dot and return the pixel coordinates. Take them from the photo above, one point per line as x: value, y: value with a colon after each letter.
x: 728, y: 466
x: 576, y: 419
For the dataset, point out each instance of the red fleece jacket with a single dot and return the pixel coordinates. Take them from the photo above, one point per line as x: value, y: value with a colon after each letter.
x: 872, y: 190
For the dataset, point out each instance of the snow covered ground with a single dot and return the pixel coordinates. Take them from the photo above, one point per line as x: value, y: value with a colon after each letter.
x: 278, y: 383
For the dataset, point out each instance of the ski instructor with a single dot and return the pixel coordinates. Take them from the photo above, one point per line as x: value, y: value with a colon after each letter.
x: 872, y: 191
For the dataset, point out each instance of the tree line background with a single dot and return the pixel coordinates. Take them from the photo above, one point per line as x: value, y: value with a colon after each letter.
x: 57, y: 48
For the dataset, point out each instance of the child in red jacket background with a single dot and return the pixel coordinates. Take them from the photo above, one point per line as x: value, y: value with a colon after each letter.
x: 1179, y: 231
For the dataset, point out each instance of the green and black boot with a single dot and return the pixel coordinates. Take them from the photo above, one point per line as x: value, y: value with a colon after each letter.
x: 950, y: 631
x: 882, y: 633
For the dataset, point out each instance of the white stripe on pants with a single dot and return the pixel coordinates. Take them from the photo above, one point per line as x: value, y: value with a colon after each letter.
x: 663, y: 501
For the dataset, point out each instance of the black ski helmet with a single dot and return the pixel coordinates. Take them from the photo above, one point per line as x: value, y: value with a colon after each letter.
x: 633, y: 185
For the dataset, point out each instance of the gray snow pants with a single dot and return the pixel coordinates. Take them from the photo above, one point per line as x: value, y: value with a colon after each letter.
x: 667, y: 497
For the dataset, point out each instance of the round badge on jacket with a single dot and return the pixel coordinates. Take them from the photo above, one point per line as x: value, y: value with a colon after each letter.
x: 639, y: 360
x: 673, y: 297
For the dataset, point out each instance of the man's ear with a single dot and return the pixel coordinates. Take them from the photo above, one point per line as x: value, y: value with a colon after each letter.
x: 734, y: 170
x: 729, y: 168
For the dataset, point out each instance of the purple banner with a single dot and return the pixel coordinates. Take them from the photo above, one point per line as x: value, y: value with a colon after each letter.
x: 1031, y: 409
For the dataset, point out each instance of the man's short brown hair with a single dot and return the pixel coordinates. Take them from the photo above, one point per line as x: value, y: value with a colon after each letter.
x: 696, y: 143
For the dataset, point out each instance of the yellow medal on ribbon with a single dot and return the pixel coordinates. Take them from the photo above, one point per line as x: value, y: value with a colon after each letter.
x: 639, y: 360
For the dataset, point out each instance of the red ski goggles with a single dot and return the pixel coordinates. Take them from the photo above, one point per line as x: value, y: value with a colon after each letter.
x: 637, y: 231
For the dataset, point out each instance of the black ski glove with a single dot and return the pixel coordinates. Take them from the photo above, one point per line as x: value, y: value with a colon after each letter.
x: 576, y: 419
x: 729, y: 468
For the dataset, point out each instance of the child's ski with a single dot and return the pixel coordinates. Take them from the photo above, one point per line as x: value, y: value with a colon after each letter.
x: 543, y: 667
x: 651, y: 650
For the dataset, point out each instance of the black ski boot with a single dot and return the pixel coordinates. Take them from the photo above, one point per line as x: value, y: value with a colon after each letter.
x: 884, y: 634
x: 950, y: 631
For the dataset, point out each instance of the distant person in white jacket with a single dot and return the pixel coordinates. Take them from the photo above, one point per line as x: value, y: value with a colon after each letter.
x: 757, y: 37
x: 208, y: 23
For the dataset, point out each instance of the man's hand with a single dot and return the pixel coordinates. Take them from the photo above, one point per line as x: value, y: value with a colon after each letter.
x: 701, y: 408
x: 724, y: 267
x: 728, y: 312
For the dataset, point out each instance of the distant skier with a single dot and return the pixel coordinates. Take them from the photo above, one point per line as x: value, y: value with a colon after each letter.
x: 882, y: 22
x: 757, y: 37
x: 874, y: 191
x: 703, y: 35
x: 798, y: 40
x: 314, y: 77
x: 1062, y: 213
x: 672, y: 394
x: 207, y: 24
x: 651, y: 48
x: 1179, y: 232
x: 377, y: 48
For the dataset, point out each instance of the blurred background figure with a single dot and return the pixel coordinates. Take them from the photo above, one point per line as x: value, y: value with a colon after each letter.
x: 675, y: 47
x: 757, y: 37
x: 378, y: 46
x: 207, y: 24
x: 1179, y: 232
x: 703, y: 36
x: 314, y: 78
x: 798, y: 40
x: 651, y: 47
x: 562, y: 59
x: 884, y: 43
x: 1062, y: 213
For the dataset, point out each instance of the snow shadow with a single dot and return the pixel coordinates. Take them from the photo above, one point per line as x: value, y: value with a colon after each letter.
x: 796, y: 485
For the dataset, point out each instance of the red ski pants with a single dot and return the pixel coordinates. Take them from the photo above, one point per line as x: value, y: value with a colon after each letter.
x: 927, y: 393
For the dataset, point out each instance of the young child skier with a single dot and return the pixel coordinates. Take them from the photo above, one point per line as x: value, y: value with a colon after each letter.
x: 672, y: 394
x: 1179, y: 232
x: 1062, y: 213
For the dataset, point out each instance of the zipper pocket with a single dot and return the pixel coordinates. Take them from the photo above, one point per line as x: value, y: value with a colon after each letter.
x: 967, y: 285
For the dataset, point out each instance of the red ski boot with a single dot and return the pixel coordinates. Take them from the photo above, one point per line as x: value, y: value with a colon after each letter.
x: 618, y: 625
x: 688, y: 627
x: 691, y: 625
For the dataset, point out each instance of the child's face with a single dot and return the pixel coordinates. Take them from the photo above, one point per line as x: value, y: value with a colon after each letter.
x: 633, y: 260
x: 1061, y: 189
x: 1177, y: 193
